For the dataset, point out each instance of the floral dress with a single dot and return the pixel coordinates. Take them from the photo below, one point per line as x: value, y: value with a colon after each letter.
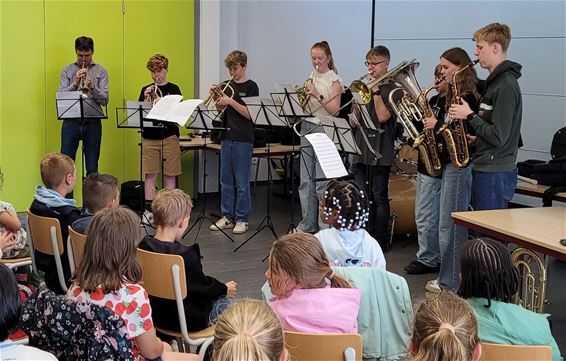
x: 130, y: 302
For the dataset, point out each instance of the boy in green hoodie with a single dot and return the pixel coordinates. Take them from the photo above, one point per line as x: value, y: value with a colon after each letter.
x: 498, y: 121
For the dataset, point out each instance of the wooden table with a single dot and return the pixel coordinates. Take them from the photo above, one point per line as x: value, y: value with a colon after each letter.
x: 537, y: 229
x: 537, y: 190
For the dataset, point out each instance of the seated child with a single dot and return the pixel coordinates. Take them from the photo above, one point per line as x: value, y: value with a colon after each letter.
x: 308, y: 296
x: 7, y: 241
x: 489, y: 282
x: 12, y: 230
x: 249, y: 330
x: 445, y: 330
x: 346, y: 243
x: 10, y: 306
x: 99, y: 191
x: 58, y: 173
x: 205, y: 294
x: 108, y: 276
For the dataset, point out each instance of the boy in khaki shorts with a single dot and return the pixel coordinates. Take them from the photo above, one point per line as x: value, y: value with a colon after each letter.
x: 159, y: 144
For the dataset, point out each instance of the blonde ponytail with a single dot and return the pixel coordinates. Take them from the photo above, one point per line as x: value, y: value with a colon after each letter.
x: 248, y: 331
x: 445, y: 329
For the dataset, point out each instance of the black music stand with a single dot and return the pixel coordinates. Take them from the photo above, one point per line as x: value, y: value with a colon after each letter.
x: 201, y: 120
x: 136, y: 113
x: 290, y: 109
x: 74, y: 105
x: 264, y: 112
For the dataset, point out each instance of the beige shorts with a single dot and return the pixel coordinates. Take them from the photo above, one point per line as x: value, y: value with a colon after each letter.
x: 151, y: 156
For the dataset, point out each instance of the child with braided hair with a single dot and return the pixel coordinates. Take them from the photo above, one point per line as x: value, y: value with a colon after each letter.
x: 445, y: 329
x: 345, y: 208
x: 489, y: 282
x: 308, y: 296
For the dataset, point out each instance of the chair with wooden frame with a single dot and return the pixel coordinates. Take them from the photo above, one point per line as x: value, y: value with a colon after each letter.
x: 45, y: 237
x: 500, y: 352
x: 75, y: 248
x: 324, y: 347
x: 164, y: 277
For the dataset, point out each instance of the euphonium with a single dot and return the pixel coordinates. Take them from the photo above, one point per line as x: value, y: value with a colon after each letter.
x: 414, y: 105
x: 217, y: 93
x: 532, y: 275
x: 303, y: 91
x: 453, y: 130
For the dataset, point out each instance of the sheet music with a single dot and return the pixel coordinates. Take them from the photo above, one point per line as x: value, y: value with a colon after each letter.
x: 170, y: 108
x: 327, y: 155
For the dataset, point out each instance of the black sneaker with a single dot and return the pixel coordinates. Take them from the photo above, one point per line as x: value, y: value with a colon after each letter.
x: 419, y: 268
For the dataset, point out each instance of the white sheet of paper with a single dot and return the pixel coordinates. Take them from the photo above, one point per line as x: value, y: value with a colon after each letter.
x: 327, y: 155
x: 161, y: 109
x: 170, y: 108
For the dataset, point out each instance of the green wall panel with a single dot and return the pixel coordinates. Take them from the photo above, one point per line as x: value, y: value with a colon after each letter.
x: 22, y: 99
x: 37, y: 41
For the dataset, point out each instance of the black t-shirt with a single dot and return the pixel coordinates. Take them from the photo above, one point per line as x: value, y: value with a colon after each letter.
x: 169, y: 128
x: 240, y: 128
x: 381, y: 140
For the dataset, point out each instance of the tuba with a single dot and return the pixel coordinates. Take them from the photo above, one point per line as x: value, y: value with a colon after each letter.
x: 453, y: 130
x: 217, y: 93
x: 414, y: 105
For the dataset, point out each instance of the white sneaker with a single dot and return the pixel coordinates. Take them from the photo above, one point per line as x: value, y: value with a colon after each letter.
x: 174, y: 346
x: 433, y: 286
x: 222, y: 223
x: 147, y: 218
x: 241, y: 227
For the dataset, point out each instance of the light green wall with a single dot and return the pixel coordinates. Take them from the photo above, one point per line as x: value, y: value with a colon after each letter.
x: 37, y: 41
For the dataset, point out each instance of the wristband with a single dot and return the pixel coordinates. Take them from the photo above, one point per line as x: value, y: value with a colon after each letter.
x: 377, y: 92
x: 470, y: 116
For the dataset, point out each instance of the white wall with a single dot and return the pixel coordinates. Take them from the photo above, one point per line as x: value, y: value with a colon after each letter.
x: 425, y: 29
x: 277, y: 36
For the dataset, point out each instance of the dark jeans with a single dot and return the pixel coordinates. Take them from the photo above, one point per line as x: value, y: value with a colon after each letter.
x: 378, y: 225
x: 493, y: 190
x: 90, y: 132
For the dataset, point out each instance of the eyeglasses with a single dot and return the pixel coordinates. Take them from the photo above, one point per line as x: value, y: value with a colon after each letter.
x: 367, y: 63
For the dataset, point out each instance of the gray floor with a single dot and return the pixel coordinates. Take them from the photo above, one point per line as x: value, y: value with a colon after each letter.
x: 246, y: 266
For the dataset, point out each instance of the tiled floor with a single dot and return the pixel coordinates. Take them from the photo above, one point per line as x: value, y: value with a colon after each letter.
x: 246, y: 266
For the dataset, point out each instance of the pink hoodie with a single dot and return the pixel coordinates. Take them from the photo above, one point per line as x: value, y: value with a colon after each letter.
x: 319, y: 310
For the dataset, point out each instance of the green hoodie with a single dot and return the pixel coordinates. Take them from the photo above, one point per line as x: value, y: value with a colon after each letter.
x: 498, y: 122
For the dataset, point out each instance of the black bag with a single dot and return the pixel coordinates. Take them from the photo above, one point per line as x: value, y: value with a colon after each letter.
x: 527, y: 167
x: 552, y: 173
x: 132, y: 195
x: 260, y: 137
x: 558, y: 147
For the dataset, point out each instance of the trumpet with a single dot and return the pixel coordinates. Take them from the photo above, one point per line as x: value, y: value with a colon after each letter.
x: 83, y: 87
x: 303, y: 91
x: 217, y: 93
x: 153, y: 95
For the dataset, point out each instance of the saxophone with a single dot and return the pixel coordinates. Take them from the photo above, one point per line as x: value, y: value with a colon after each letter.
x: 453, y: 130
